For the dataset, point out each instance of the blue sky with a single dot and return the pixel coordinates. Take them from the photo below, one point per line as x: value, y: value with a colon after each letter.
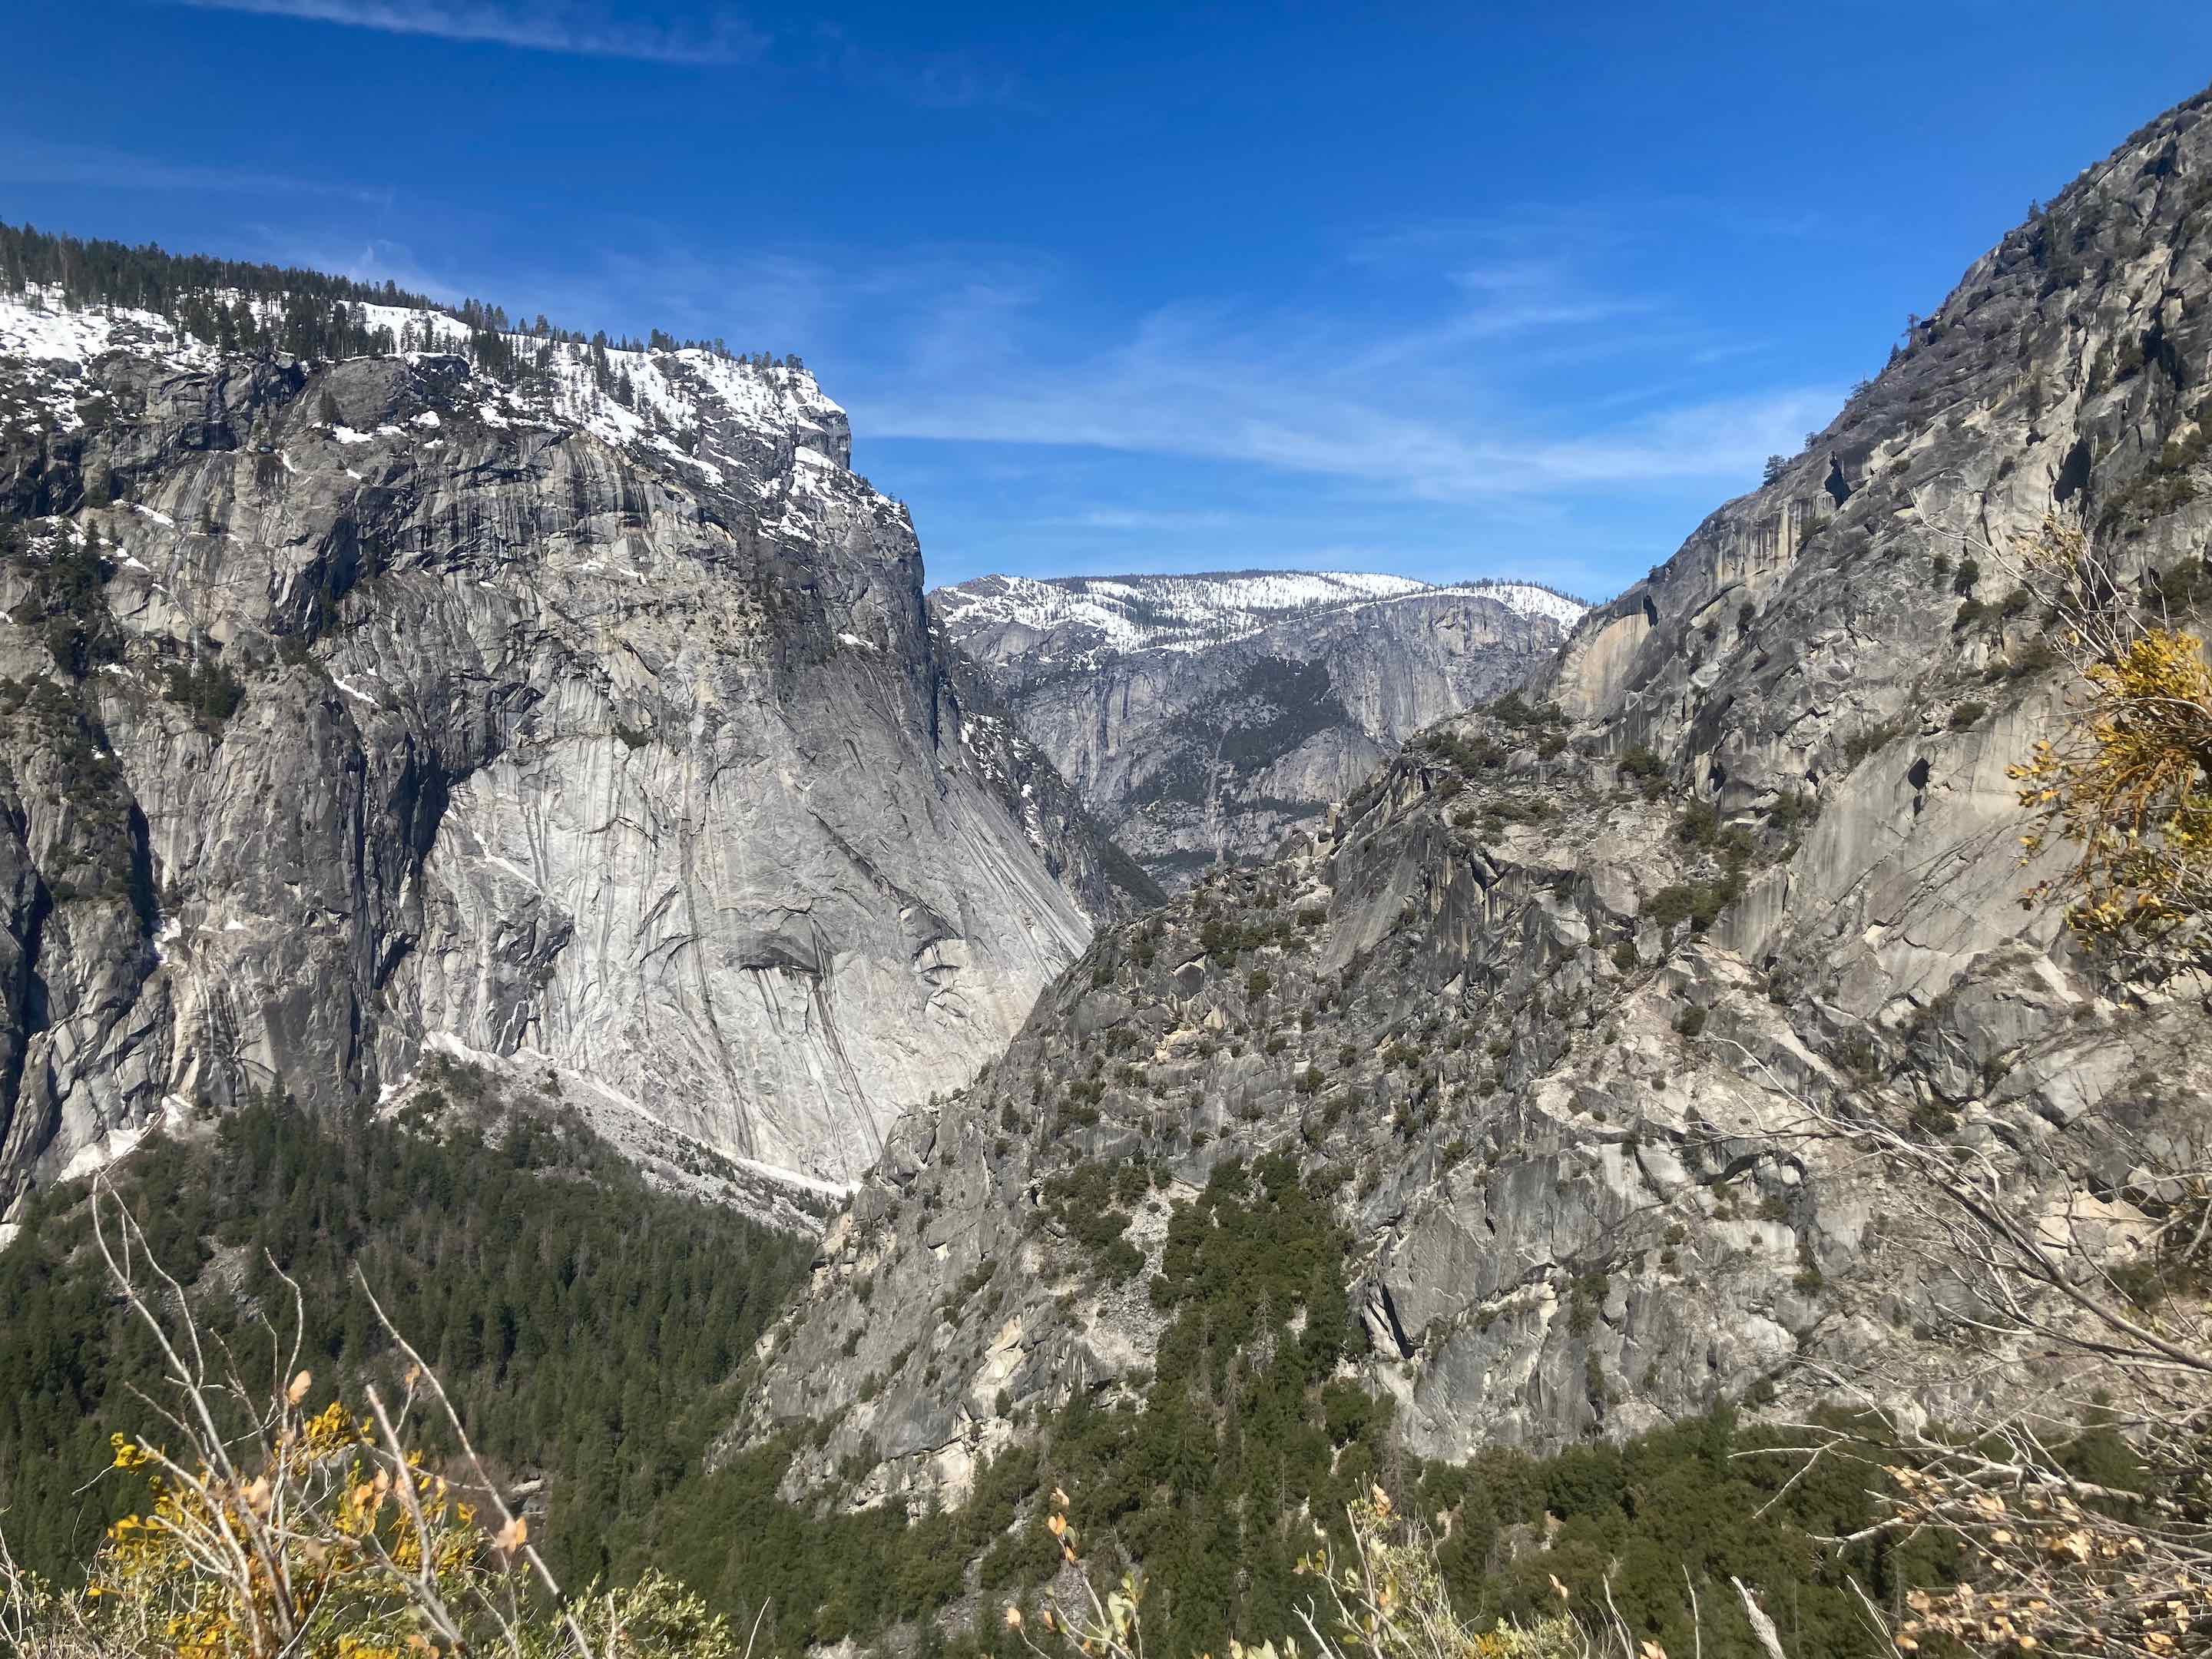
x: 1454, y: 291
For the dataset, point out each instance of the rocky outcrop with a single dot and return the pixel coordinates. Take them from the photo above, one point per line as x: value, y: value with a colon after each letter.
x: 360, y: 704
x: 1547, y: 999
x: 1204, y: 718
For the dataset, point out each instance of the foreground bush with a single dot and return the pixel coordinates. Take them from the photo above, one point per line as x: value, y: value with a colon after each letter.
x: 1383, y: 1598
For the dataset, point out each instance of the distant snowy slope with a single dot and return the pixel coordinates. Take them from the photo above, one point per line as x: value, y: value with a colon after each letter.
x: 43, y: 347
x: 1203, y: 717
x: 1075, y: 617
x: 679, y: 402
x: 1530, y: 600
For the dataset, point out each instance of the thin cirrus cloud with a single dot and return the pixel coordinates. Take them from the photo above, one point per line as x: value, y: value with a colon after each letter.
x: 82, y: 168
x: 1469, y: 402
x: 937, y: 80
x: 374, y: 260
x: 725, y: 39
x: 929, y: 80
x: 1230, y: 413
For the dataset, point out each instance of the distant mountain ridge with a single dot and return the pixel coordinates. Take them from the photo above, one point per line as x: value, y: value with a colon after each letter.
x: 1189, y: 612
x: 1202, y: 717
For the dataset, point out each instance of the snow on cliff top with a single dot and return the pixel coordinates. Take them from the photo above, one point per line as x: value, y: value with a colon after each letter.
x: 36, y: 326
x: 1528, y: 599
x: 673, y: 390
x: 43, y: 347
x: 671, y: 385
x: 1122, y: 614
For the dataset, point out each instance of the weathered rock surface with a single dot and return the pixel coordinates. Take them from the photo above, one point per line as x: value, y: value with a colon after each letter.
x: 1549, y: 992
x: 555, y: 739
x: 1203, y: 718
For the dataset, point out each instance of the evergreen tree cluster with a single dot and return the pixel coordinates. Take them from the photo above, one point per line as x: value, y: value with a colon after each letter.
x: 594, y: 1331
x: 146, y: 278
x: 1211, y: 1474
x: 64, y: 602
x: 585, y: 1322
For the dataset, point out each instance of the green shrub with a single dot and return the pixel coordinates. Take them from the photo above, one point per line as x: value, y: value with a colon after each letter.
x: 1791, y: 808
x: 1867, y: 740
x: 1086, y: 1202
x: 1467, y: 754
x: 1670, y: 905
x: 67, y: 608
x: 1513, y: 710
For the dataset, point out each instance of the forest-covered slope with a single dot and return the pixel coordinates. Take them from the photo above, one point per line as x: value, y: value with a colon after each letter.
x: 588, y: 1321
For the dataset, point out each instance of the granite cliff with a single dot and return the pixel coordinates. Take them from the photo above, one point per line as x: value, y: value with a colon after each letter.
x: 1538, y: 1009
x: 1203, y: 718
x: 570, y: 709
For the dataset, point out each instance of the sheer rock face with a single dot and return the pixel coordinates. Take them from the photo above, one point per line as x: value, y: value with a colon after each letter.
x: 1200, y: 725
x: 556, y: 744
x: 1511, y: 997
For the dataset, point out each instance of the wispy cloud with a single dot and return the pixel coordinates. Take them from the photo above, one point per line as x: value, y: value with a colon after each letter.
x: 1226, y: 410
x: 1507, y: 378
x: 371, y: 259
x: 1514, y: 374
x: 1148, y: 520
x: 34, y: 161
x: 724, y: 39
x: 929, y: 80
x: 643, y: 275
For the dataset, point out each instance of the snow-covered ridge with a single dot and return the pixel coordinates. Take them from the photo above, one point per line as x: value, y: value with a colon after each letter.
x: 672, y: 392
x: 48, y: 345
x: 1094, y: 614
x: 1529, y: 598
